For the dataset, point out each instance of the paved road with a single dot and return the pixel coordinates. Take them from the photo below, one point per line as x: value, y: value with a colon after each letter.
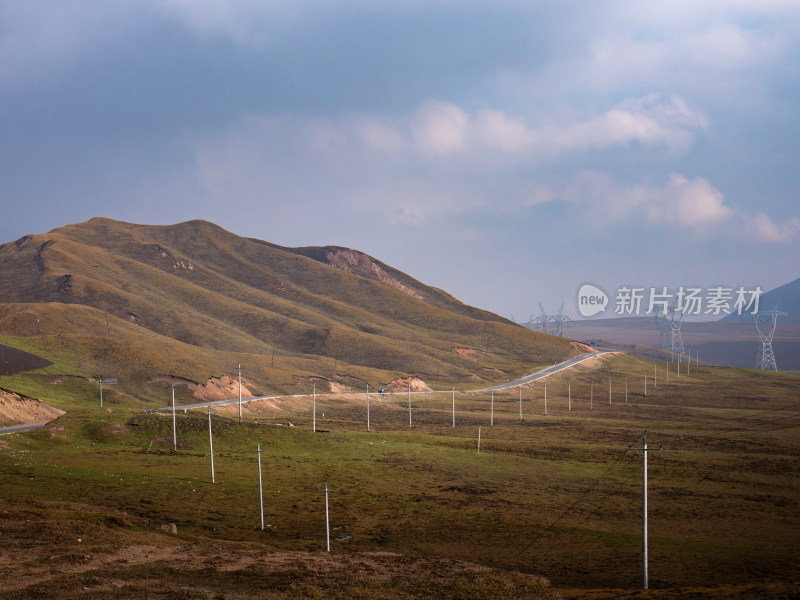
x: 522, y: 380
x: 517, y: 382
x: 18, y: 428
x: 544, y: 372
x: 186, y: 407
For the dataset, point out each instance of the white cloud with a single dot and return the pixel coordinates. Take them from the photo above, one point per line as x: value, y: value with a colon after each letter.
x: 694, y: 204
x: 439, y: 128
x: 440, y: 160
x: 681, y: 204
x: 495, y: 130
x: 765, y: 229
x: 443, y: 128
x: 378, y: 134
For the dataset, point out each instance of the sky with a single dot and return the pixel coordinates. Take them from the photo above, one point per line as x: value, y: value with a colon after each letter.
x: 507, y: 152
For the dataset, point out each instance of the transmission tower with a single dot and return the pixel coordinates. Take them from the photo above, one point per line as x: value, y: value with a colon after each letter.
x: 669, y: 327
x: 765, y: 326
x: 557, y: 321
x: 550, y: 324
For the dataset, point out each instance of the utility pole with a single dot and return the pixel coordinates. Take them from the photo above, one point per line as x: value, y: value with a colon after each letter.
x: 261, y: 491
x: 409, y: 404
x: 520, y: 403
x: 211, y: 445
x: 327, y: 520
x: 626, y: 390
x: 644, y: 450
x: 367, y: 407
x: 454, y: 406
x: 491, y: 421
x: 314, y: 409
x: 609, y: 392
x: 569, y: 395
x: 174, y: 430
x: 545, y: 398
x: 667, y: 370
x: 591, y: 395
x: 240, y: 393
x: 655, y: 376
x: 645, y: 384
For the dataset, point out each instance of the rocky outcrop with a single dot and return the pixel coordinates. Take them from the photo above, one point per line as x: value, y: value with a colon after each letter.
x: 358, y: 263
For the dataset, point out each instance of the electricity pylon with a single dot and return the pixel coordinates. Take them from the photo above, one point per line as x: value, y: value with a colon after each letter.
x: 669, y: 326
x: 551, y: 324
x: 766, y: 357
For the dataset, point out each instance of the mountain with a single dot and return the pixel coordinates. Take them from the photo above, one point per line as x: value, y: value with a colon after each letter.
x: 192, y: 300
x: 785, y: 298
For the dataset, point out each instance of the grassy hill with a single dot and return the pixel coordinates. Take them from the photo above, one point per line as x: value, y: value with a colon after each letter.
x: 113, y: 299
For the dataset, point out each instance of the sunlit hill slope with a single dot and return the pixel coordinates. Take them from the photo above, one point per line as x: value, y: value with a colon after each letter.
x: 192, y: 300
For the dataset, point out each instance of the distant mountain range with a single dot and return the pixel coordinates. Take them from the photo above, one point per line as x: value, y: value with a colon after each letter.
x: 191, y: 298
x: 785, y: 298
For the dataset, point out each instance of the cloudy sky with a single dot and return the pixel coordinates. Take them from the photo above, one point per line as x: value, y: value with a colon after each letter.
x: 505, y: 151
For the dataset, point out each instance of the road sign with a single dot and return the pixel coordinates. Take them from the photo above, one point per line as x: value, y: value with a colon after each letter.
x: 108, y: 381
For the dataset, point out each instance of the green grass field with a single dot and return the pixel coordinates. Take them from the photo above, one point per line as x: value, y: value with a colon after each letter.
x: 557, y: 495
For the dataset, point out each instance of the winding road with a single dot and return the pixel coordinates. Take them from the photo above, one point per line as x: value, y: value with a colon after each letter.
x: 542, y: 373
x: 546, y: 371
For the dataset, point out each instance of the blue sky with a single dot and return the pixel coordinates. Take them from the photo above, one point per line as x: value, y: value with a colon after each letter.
x: 506, y: 152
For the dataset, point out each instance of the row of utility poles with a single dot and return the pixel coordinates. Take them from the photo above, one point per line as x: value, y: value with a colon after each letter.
x: 644, y: 450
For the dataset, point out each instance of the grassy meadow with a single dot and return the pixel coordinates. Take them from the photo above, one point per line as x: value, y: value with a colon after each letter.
x: 556, y: 495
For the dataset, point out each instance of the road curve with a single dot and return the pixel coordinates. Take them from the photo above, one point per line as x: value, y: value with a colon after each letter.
x: 517, y: 382
x: 545, y: 372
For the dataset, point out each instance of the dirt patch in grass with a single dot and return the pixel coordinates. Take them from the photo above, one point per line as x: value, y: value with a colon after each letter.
x: 340, y: 388
x: 582, y: 347
x: 220, y: 388
x: 468, y: 353
x: 401, y: 384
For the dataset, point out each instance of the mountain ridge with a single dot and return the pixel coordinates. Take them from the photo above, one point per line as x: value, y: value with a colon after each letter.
x: 203, y: 286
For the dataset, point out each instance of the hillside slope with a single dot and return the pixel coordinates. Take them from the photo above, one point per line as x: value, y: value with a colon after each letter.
x: 190, y: 298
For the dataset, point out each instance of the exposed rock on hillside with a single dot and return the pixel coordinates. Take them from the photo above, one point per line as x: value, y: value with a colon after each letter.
x: 16, y: 409
x: 358, y: 263
x: 219, y: 388
x: 340, y: 388
x: 401, y: 384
